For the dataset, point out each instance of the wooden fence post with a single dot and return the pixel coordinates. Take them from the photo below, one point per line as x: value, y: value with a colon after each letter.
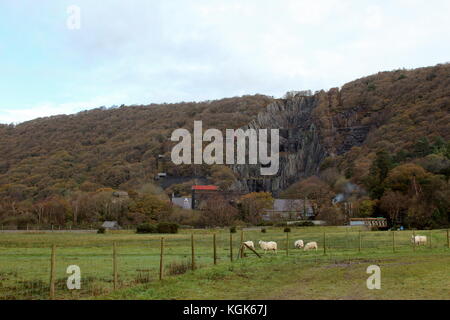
x: 215, y: 249
x: 241, y: 254
x: 193, y: 251
x: 53, y: 272
x: 360, y: 242
x: 324, y: 243
x: 161, y: 260
x: 115, y: 271
x: 393, y: 241
x: 231, y: 247
x: 414, y: 241
x: 448, y: 240
x: 287, y: 243
x: 431, y: 235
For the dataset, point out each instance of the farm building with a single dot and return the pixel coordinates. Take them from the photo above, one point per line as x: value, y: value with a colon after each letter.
x: 200, y: 193
x: 369, y: 222
x: 111, y: 225
x: 288, y: 209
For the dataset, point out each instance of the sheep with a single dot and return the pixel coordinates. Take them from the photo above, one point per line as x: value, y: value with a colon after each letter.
x: 418, y: 240
x: 310, y: 246
x: 249, y: 244
x: 299, y: 244
x: 266, y: 246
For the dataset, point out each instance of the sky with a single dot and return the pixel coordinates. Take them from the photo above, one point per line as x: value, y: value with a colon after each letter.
x: 65, y: 56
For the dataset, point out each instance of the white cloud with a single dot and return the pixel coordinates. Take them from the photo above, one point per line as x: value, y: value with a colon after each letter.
x: 47, y: 109
x: 168, y: 51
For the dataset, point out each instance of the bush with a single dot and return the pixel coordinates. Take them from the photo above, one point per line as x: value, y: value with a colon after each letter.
x: 304, y: 224
x: 101, y: 230
x: 263, y: 230
x: 287, y: 229
x: 233, y: 230
x: 265, y: 224
x: 280, y: 224
x: 179, y: 267
x: 146, y: 228
x: 162, y: 227
x: 167, y: 227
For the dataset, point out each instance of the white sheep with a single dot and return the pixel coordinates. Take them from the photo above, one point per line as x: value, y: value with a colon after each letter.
x: 299, y: 244
x: 418, y: 240
x: 250, y: 244
x: 266, y: 246
x: 310, y: 246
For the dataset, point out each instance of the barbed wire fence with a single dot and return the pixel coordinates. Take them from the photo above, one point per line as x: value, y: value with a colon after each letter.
x: 49, y: 272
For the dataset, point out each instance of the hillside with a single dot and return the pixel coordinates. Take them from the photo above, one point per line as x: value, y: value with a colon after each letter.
x: 343, y: 136
x: 114, y: 148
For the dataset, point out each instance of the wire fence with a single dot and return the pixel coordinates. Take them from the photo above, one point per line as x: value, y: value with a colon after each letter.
x: 45, y: 271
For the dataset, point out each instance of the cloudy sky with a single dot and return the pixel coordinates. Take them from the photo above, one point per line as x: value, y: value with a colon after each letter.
x: 145, y: 51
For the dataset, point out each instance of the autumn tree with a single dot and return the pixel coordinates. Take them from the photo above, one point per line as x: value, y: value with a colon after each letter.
x: 394, y: 203
x: 252, y: 206
x: 218, y: 212
x: 152, y: 207
x: 314, y: 189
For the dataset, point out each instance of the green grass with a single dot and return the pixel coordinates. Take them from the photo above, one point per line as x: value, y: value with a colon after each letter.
x: 340, y: 273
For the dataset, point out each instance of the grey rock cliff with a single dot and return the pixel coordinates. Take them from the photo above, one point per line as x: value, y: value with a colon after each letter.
x: 303, y: 146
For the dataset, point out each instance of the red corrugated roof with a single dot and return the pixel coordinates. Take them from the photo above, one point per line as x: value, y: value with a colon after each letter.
x: 214, y: 188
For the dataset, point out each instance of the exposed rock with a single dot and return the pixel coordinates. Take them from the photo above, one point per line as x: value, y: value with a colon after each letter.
x: 309, y: 133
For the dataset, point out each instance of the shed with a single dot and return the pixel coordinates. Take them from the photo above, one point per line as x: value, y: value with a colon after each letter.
x: 111, y: 225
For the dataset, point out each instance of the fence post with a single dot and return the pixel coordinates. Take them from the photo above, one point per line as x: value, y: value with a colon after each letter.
x: 287, y: 243
x: 242, y: 241
x: 393, y: 241
x: 53, y: 273
x: 115, y: 275
x: 193, y: 252
x: 431, y: 235
x: 414, y: 241
x: 215, y: 249
x: 231, y: 247
x: 324, y: 243
x: 161, y: 260
x: 360, y: 242
x: 448, y: 240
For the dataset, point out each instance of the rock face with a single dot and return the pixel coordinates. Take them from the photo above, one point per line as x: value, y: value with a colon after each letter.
x: 308, y: 134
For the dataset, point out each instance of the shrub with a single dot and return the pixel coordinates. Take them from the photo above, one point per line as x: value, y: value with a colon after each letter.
x: 304, y: 224
x: 287, y: 229
x: 167, y: 227
x: 101, y: 230
x: 265, y: 224
x: 179, y: 267
x: 233, y: 230
x: 280, y: 224
x: 146, y: 228
x: 263, y: 230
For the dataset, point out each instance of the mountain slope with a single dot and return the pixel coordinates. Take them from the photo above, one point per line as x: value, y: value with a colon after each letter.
x: 404, y: 113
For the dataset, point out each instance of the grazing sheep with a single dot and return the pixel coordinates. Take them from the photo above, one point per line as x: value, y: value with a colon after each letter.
x: 266, y: 246
x: 299, y: 244
x: 418, y: 240
x: 310, y: 246
x: 250, y: 244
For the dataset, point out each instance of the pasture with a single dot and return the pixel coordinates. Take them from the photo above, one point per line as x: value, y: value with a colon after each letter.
x: 25, y: 262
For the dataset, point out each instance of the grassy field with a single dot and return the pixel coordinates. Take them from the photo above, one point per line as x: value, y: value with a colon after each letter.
x: 340, y: 272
